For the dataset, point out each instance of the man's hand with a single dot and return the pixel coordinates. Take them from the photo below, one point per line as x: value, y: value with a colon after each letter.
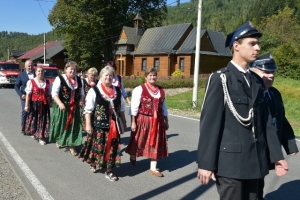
x: 205, y: 175
x: 23, y: 96
x: 281, y: 167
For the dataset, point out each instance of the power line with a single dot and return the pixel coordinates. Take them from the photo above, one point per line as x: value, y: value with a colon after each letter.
x: 41, y: 8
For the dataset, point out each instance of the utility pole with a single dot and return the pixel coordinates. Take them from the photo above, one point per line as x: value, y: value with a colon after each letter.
x: 197, y: 57
x: 8, y: 53
x: 44, y: 48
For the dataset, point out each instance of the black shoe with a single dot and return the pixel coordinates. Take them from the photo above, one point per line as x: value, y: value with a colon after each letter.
x: 23, y: 132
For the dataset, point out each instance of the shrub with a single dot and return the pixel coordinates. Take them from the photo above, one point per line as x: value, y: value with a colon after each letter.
x: 177, y: 73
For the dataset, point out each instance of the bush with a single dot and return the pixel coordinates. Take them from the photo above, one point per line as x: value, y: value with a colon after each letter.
x: 177, y: 74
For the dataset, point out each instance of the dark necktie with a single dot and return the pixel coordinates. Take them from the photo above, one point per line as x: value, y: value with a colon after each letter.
x: 248, y: 77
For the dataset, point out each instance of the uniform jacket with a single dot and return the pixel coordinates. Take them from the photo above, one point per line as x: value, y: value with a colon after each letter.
x: 284, y: 129
x: 21, y: 82
x: 227, y: 147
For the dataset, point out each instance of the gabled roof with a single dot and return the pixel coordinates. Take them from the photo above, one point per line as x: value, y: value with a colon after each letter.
x: 217, y: 40
x: 161, y: 40
x: 52, y: 48
x: 132, y: 36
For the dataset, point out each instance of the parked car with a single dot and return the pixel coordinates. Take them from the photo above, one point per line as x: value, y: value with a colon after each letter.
x: 51, y: 71
x: 9, y: 71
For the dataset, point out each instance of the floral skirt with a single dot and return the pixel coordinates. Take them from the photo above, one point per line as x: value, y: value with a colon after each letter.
x: 37, y: 120
x: 102, y: 149
x: 139, y: 144
x: 65, y: 136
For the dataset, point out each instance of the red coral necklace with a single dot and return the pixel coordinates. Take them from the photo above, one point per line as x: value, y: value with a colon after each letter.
x: 152, y: 89
x: 111, y: 93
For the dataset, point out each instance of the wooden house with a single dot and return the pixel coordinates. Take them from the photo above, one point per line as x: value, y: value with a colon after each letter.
x: 168, y: 48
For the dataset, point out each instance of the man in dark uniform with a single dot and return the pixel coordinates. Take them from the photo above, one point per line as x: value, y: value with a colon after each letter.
x: 233, y: 138
x: 265, y: 67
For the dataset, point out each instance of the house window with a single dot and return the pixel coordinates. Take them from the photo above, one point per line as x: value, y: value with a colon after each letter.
x: 156, y: 64
x: 144, y: 64
x: 181, y: 64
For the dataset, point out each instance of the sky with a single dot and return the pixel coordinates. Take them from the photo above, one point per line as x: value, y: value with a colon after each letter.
x: 30, y: 16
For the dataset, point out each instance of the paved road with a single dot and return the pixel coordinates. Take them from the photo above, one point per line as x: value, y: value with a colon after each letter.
x: 50, y: 173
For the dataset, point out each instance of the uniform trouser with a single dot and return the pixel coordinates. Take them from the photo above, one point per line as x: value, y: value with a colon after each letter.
x: 237, y: 189
x: 24, y: 113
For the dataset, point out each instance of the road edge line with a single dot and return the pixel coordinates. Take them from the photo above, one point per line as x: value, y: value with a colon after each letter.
x: 41, y: 190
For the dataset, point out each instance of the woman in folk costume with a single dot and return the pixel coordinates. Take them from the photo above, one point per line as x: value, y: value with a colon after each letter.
x: 149, y: 122
x: 37, y: 105
x: 89, y: 82
x: 104, y: 104
x: 68, y: 96
x: 117, y: 81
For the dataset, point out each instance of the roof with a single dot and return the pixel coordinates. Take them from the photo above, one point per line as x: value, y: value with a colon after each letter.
x: 162, y: 40
x: 17, y: 53
x: 52, y: 48
x: 217, y: 40
x: 132, y: 36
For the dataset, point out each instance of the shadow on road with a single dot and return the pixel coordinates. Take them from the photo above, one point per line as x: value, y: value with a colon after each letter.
x: 178, y: 159
x: 196, y: 193
x: 286, y: 191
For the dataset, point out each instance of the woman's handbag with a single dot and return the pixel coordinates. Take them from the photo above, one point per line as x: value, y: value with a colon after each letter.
x: 119, y: 122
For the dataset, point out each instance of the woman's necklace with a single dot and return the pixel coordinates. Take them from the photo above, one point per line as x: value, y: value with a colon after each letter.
x: 72, y: 82
x: 153, y: 89
x: 110, y: 93
x: 91, y: 82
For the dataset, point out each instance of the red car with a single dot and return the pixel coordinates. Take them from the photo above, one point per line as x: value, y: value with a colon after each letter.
x: 51, y: 71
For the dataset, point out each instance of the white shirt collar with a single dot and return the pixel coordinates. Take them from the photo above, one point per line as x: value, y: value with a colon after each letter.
x: 239, y: 67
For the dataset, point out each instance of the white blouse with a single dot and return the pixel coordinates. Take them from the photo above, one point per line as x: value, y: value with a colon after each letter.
x: 28, y: 88
x: 136, y: 100
x: 90, y: 100
x: 57, y: 84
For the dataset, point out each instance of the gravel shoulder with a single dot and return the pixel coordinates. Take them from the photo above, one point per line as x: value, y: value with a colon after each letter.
x: 10, y: 185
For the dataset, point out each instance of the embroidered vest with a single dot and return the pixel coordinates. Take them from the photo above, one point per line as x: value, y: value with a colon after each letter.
x: 39, y: 94
x: 147, y: 102
x: 65, y: 91
x: 102, y: 109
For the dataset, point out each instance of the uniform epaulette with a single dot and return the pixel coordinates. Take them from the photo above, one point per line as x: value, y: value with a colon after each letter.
x: 223, y: 70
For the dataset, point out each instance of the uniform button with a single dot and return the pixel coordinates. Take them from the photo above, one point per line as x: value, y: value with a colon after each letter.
x: 224, y: 148
x: 239, y: 100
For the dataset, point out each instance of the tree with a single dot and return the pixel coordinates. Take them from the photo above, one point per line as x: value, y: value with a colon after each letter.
x: 91, y: 27
x: 281, y: 37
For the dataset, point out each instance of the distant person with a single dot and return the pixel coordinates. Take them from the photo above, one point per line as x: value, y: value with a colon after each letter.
x: 37, y: 106
x: 232, y: 145
x: 68, y: 95
x: 265, y: 66
x: 89, y: 82
x: 149, y: 122
x: 104, y: 104
x: 20, y: 86
x: 117, y: 81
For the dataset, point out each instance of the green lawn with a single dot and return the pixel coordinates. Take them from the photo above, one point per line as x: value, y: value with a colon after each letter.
x: 290, y: 91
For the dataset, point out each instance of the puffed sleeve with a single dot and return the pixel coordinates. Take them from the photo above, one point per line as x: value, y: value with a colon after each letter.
x: 55, y: 87
x: 135, y: 100
x: 90, y: 100
x: 28, y: 88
